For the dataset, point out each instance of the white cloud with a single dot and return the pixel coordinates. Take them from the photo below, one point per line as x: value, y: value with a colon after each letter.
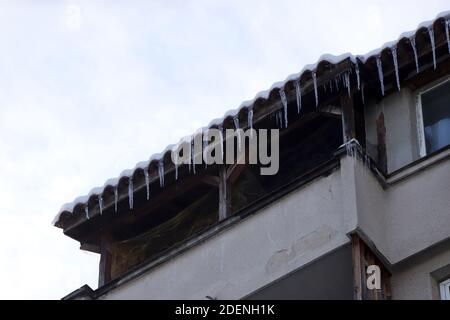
x: 81, y: 100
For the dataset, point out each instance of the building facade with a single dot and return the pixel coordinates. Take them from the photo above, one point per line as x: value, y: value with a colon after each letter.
x: 359, y: 209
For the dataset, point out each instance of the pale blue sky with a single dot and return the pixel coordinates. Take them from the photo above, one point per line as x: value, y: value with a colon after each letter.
x: 81, y: 100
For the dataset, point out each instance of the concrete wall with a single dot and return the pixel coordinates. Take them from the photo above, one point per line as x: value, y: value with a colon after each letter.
x: 407, y: 217
x: 399, y: 110
x: 290, y: 233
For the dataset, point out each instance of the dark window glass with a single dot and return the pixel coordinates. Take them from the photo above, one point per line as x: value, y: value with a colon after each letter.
x: 436, y: 117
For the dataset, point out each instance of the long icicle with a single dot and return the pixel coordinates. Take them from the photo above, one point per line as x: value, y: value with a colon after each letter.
x: 412, y: 41
x: 86, y: 211
x: 362, y: 94
x: 358, y: 79
x: 285, y: 106
x: 100, y: 203
x: 347, y: 83
x: 116, y: 197
x: 447, y: 32
x: 298, y: 94
x: 395, y: 60
x: 433, y: 45
x: 130, y: 192
x: 236, y: 125
x: 147, y: 182
x: 161, y: 172
x: 250, y: 118
x: 221, y: 141
x: 314, y: 76
x: 380, y: 73
x: 193, y: 153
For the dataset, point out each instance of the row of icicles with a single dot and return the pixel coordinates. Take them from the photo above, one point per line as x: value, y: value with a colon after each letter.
x: 282, y: 115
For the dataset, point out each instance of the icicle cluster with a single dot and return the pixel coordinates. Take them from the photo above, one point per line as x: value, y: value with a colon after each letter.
x: 380, y: 73
x: 130, y: 192
x: 161, y: 172
x: 395, y: 60
x: 285, y: 106
x: 147, y: 182
x: 433, y: 45
x: 412, y: 40
x: 298, y: 94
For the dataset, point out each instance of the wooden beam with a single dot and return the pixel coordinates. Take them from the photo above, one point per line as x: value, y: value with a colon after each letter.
x: 211, y: 180
x: 357, y: 276
x: 381, y: 143
x: 104, y: 275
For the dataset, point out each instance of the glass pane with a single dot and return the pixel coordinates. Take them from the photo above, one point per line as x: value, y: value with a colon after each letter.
x: 436, y: 117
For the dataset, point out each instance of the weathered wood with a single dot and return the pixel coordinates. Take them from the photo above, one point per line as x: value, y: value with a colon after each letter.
x: 104, y: 275
x: 357, y: 276
x: 211, y: 180
x: 224, y: 195
x: 362, y: 258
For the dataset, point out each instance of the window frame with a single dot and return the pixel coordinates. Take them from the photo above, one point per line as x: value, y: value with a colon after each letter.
x: 419, y: 113
x: 444, y: 289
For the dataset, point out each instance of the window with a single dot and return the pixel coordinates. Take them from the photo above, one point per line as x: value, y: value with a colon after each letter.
x: 445, y: 289
x: 434, y: 118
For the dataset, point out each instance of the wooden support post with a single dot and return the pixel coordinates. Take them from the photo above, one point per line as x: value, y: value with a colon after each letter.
x: 357, y: 268
x: 104, y: 275
x: 362, y: 258
x: 224, y: 195
x: 348, y: 118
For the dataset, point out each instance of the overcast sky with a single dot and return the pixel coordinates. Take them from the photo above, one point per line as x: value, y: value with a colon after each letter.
x: 89, y: 88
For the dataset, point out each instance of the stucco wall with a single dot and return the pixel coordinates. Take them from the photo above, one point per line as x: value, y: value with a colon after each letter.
x: 301, y: 227
x: 417, y: 279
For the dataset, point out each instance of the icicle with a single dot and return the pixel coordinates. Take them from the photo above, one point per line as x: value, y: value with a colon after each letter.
x: 358, y: 79
x: 433, y: 45
x: 412, y: 40
x: 147, y: 182
x: 161, y: 172
x: 298, y: 94
x: 250, y: 118
x: 130, y: 192
x: 285, y: 106
x: 100, y: 203
x: 193, y: 154
x: 380, y: 74
x: 394, y: 58
x: 347, y: 83
x: 336, y: 83
x: 236, y: 125
x: 221, y: 141
x: 331, y: 85
x: 314, y: 76
x: 447, y: 32
x: 116, y: 197
x: 362, y: 94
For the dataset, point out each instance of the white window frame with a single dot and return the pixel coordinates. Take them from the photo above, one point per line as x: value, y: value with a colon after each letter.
x: 419, y: 114
x: 445, y: 289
